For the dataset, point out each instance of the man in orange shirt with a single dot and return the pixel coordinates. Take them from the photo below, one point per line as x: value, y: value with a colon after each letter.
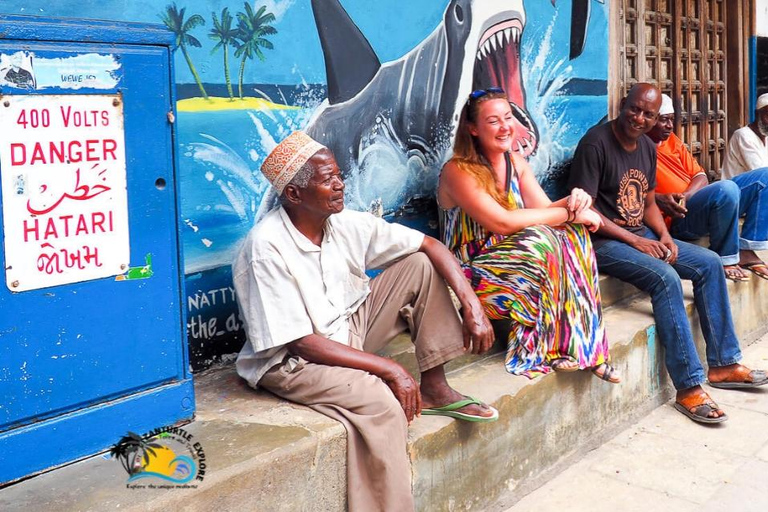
x: 693, y: 208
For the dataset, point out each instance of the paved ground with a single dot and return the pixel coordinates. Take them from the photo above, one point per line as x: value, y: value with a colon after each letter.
x: 668, y: 463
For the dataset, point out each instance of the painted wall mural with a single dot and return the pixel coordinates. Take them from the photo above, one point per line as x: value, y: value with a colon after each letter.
x: 381, y: 83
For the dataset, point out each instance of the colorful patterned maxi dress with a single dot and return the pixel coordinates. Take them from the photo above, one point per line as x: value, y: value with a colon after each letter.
x: 543, y: 278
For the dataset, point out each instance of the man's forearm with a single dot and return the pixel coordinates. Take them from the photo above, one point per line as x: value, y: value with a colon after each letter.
x: 321, y: 350
x: 653, y: 219
x: 699, y: 182
x: 610, y: 229
x: 448, y: 268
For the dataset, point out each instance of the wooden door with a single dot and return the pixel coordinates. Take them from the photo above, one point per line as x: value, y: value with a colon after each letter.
x: 682, y: 47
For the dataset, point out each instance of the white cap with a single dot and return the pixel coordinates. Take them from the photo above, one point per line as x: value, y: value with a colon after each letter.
x: 666, y: 106
x: 762, y: 101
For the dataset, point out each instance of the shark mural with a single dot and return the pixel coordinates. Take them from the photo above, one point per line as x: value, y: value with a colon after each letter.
x: 414, y: 102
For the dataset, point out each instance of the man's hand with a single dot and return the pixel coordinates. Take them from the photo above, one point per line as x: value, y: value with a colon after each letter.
x: 590, y: 219
x: 406, y: 390
x: 652, y: 248
x: 478, y: 333
x: 672, y: 205
x: 671, y: 246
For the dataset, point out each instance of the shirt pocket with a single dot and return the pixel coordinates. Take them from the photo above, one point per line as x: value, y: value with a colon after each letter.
x: 355, y: 290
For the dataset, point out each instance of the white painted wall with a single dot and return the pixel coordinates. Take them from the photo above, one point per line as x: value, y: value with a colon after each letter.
x: 761, y: 17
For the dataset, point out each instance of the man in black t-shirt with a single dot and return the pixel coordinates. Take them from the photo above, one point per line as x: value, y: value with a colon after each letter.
x: 616, y: 164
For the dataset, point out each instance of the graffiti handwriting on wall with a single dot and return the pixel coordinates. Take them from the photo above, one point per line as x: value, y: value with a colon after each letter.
x: 202, y: 307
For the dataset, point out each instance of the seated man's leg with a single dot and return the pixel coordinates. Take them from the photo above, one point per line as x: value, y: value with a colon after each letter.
x: 660, y: 280
x: 378, y: 469
x: 713, y: 211
x: 753, y: 206
x: 411, y: 296
x: 710, y: 293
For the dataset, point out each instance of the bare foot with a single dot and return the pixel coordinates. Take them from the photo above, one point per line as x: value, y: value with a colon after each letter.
x: 735, y: 273
x: 440, y: 396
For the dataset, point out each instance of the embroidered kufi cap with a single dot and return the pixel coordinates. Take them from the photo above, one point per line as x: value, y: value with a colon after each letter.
x: 762, y: 101
x: 666, y: 105
x: 286, y: 159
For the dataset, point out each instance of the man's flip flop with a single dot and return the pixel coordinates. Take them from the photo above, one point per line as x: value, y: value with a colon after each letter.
x: 741, y: 379
x: 759, y: 268
x: 451, y: 411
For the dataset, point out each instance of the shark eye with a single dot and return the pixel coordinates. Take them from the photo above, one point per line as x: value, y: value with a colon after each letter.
x: 459, y: 12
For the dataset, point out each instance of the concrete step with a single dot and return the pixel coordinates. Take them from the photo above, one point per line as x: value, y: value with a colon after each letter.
x: 265, y: 454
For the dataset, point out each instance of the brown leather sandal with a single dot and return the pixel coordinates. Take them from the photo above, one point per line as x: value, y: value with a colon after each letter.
x: 740, y: 378
x: 698, y: 407
x: 561, y: 365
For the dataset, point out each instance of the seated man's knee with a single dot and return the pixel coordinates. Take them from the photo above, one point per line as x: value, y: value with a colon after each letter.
x: 762, y: 177
x: 665, y: 278
x: 729, y: 194
x: 419, y: 261
x: 709, y: 261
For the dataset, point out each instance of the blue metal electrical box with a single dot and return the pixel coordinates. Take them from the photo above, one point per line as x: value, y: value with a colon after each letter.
x: 92, y: 328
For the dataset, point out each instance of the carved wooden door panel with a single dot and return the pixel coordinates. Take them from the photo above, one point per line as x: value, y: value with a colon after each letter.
x: 679, y: 45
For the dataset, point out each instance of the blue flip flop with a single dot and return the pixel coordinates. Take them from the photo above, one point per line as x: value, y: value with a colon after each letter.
x: 451, y: 411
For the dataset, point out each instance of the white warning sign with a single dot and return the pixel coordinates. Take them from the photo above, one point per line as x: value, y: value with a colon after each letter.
x: 64, y: 196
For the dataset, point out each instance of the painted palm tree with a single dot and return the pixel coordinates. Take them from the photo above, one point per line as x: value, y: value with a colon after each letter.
x: 174, y: 20
x: 224, y: 34
x: 251, y: 31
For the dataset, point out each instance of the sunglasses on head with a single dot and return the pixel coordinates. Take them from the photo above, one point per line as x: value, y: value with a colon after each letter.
x: 482, y: 92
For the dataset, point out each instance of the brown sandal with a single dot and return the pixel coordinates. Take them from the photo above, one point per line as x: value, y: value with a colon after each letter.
x: 608, y: 374
x: 742, y: 377
x: 559, y: 365
x: 698, y: 407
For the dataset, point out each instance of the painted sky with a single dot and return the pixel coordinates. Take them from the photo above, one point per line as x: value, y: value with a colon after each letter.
x: 392, y: 27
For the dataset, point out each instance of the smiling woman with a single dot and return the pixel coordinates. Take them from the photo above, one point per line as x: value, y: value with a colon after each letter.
x: 529, y: 259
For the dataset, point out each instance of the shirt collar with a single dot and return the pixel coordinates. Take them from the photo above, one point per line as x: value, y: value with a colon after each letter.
x: 301, y: 241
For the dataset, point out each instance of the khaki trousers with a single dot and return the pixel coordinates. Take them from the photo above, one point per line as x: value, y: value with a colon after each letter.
x: 409, y: 295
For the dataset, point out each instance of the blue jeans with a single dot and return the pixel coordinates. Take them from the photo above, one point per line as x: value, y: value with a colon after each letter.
x: 753, y: 206
x: 715, y: 210
x: 662, y: 282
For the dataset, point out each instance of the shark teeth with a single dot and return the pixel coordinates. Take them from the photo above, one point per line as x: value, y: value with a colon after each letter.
x: 498, y: 40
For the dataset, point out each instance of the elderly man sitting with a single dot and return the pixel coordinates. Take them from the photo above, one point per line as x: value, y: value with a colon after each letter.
x: 748, y: 147
x: 693, y: 208
x: 314, y: 319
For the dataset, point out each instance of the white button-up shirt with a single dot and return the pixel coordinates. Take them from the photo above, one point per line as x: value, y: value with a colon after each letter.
x: 746, y: 151
x: 288, y: 287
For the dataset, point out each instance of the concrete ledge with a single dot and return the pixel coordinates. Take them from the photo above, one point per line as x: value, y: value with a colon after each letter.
x: 266, y: 454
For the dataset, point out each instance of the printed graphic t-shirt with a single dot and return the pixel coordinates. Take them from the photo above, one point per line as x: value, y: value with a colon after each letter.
x: 617, y: 180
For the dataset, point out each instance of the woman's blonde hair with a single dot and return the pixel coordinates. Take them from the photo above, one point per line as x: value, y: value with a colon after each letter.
x: 467, y: 154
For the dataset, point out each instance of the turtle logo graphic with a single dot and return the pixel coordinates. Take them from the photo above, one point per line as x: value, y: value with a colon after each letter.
x: 167, y: 454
